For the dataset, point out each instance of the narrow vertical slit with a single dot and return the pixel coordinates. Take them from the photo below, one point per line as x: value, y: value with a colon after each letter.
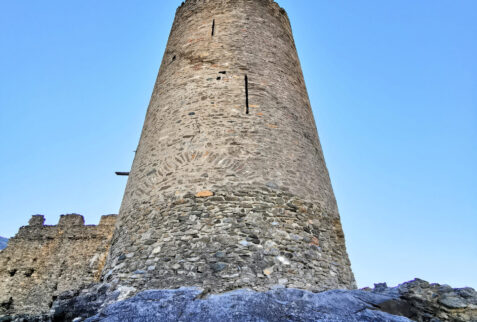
x: 213, y: 27
x: 246, y: 95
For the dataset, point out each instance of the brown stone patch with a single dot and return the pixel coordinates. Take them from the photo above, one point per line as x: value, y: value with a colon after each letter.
x: 315, y: 241
x: 204, y: 194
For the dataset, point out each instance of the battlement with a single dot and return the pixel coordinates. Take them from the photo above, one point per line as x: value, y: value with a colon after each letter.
x: 37, y: 220
x: 71, y: 220
x: 108, y: 220
x: 69, y: 226
x: 42, y: 261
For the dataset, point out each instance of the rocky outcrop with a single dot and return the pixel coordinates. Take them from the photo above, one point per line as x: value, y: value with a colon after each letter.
x: 3, y: 242
x: 422, y: 301
x: 412, y: 301
x: 246, y: 305
x: 191, y: 304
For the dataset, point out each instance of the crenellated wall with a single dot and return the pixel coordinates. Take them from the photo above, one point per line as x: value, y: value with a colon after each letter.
x: 42, y: 261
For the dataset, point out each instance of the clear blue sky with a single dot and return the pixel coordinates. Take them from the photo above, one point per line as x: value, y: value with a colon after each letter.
x: 393, y: 86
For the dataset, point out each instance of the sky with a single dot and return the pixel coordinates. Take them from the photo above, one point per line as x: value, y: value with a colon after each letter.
x: 393, y: 85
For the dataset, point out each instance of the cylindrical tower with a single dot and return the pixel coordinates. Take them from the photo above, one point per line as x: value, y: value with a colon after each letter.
x: 229, y: 187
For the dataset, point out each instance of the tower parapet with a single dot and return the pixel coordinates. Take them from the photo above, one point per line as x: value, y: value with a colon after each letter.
x: 229, y: 187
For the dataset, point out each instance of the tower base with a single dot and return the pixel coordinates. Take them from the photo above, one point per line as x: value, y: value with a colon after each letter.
x: 240, y: 237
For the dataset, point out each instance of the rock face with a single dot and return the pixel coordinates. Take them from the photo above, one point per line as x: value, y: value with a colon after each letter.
x: 412, y: 301
x: 41, y: 262
x: 439, y: 302
x: 3, y: 242
x: 229, y: 188
x: 416, y: 300
x: 245, y: 305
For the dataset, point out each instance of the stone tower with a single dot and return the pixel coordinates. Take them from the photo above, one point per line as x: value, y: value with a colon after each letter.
x: 229, y: 188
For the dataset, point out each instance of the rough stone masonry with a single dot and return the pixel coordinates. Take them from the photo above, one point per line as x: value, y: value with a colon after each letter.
x: 229, y: 187
x: 41, y: 262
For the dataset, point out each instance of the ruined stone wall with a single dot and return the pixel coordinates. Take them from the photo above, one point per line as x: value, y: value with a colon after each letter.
x: 228, y: 152
x: 42, y: 261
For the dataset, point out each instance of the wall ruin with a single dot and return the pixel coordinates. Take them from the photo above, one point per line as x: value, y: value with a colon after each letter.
x: 41, y: 262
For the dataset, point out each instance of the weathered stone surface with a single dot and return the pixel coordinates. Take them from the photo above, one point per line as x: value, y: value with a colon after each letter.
x: 211, y: 174
x: 250, y: 238
x: 82, y: 304
x: 439, y: 302
x: 41, y: 262
x: 416, y: 300
x: 244, y: 305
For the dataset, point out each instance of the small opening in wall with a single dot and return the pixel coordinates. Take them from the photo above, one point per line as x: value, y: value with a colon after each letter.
x: 29, y: 272
x: 246, y: 95
x: 223, y: 72
x: 213, y: 27
x: 219, y: 78
x: 174, y: 58
x: 12, y: 272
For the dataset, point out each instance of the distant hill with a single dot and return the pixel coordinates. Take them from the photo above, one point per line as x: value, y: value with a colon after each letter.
x: 3, y: 242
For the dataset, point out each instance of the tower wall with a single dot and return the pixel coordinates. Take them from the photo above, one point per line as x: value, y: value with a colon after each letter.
x: 222, y: 195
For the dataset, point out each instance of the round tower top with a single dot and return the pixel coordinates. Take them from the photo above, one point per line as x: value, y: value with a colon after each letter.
x: 194, y: 3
